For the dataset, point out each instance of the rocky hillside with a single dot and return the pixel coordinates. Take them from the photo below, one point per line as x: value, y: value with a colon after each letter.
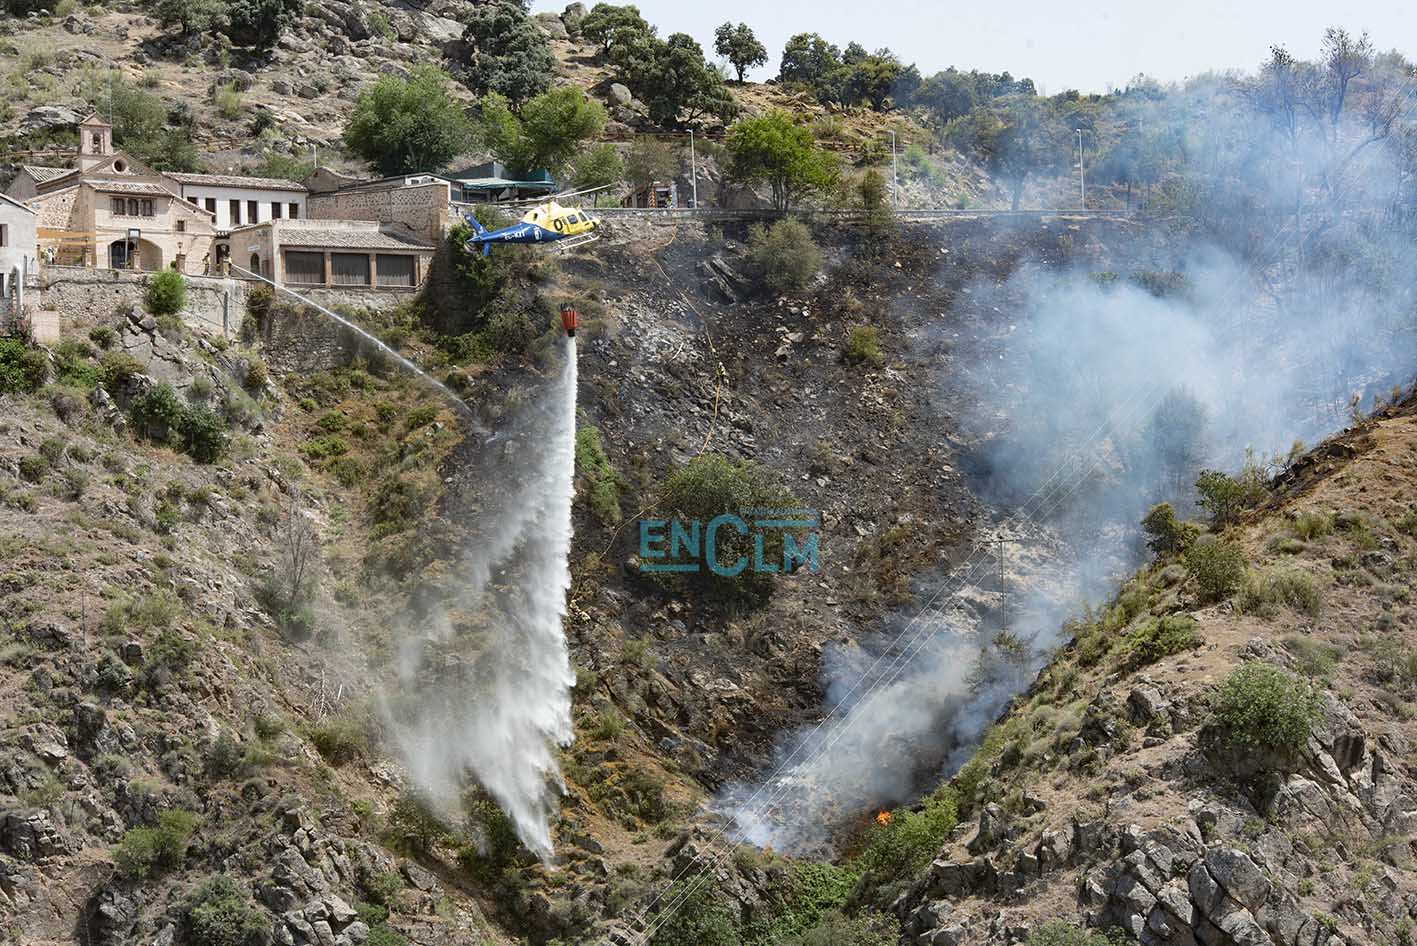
x: 1218, y: 757
x: 293, y: 102
x: 191, y: 735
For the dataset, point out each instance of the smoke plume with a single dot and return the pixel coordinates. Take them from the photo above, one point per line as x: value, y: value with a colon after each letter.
x: 1253, y: 326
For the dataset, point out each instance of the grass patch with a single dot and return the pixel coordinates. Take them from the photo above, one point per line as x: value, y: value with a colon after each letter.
x: 1264, y: 593
x: 1161, y: 637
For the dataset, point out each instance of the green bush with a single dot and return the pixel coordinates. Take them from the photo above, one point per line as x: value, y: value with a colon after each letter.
x: 497, y: 847
x: 398, y: 502
x: 1161, y: 637
x: 33, y: 468
x: 22, y: 369
x: 1218, y: 569
x: 151, y: 852
x: 166, y: 293
x: 322, y: 448
x: 1263, y: 592
x: 115, y: 368
x: 1225, y: 497
x: 784, y: 256
x: 1167, y: 534
x: 420, y: 416
x: 712, y: 485
x: 256, y: 374
x: 700, y: 919
x: 903, y: 847
x: 158, y: 409
x: 203, y: 434
x: 510, y: 332
x: 1059, y: 933
x: 340, y: 740
x: 73, y: 364
x: 221, y: 913
x: 600, y: 485
x: 835, y: 928
x: 413, y: 826
x: 103, y: 336
x: 168, y: 658
x: 1261, y: 706
x: 863, y: 346
x: 1313, y: 524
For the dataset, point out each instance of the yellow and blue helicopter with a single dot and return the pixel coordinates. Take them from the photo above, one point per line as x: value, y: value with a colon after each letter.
x: 545, y: 223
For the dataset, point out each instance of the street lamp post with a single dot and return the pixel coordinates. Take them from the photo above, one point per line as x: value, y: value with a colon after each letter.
x: 1082, y: 184
x: 895, y: 177
x: 693, y: 171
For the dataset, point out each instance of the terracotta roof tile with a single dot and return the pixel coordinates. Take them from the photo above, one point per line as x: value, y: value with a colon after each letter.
x: 237, y: 180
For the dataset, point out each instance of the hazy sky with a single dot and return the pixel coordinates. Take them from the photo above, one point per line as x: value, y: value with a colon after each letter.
x: 1060, y: 45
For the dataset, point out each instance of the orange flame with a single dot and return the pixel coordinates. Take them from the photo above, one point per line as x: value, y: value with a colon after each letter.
x: 883, y: 819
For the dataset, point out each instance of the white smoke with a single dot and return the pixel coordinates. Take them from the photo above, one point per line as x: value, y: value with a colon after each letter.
x: 485, y: 680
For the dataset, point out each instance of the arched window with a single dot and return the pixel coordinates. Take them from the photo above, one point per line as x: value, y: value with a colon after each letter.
x: 256, y: 263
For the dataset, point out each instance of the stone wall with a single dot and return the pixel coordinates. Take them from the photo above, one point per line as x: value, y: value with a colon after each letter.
x: 300, y: 339
x: 82, y: 297
x: 423, y: 208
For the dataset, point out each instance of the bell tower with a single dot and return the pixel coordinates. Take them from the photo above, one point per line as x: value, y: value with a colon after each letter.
x: 95, y: 141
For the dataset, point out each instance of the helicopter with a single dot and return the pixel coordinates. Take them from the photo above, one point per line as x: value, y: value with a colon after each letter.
x: 545, y: 223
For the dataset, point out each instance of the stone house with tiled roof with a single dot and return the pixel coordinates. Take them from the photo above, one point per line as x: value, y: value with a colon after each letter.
x: 111, y: 211
x: 346, y: 254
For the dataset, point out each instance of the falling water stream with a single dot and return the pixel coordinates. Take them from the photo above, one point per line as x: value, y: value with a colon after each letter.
x: 499, y: 714
x: 504, y: 707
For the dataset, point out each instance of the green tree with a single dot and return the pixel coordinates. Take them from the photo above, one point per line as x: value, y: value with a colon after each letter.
x: 546, y: 134
x: 191, y: 17
x: 680, y: 86
x: 740, y: 47
x: 598, y: 167
x: 507, y: 53
x: 808, y: 60
x: 259, y: 23
x: 772, y: 148
x: 1014, y: 140
x: 611, y: 26
x: 650, y: 160
x: 872, y: 79
x: 409, y: 125
x: 142, y: 125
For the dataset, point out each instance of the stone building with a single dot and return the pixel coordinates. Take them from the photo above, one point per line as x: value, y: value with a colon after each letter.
x: 111, y: 211
x: 348, y: 254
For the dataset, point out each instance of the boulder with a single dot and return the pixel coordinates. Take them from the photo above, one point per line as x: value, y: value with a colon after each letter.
x: 49, y: 116
x: 437, y: 29
x: 620, y: 95
x: 552, y: 26
x: 572, y: 17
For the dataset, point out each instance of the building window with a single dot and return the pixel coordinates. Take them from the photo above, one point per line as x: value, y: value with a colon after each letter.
x: 294, y: 210
x: 119, y: 207
x: 4, y: 234
x: 253, y: 211
x: 182, y: 226
x: 147, y: 208
x: 275, y: 210
x: 132, y: 206
x: 235, y: 207
x: 211, y: 205
x: 98, y: 142
x: 349, y: 269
